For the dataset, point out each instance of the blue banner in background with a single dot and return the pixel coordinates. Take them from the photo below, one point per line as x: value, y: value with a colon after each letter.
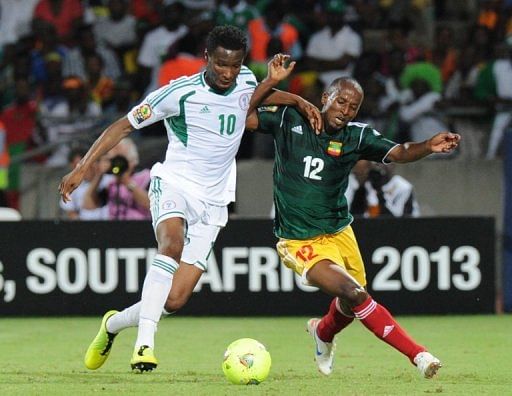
x: 507, y: 231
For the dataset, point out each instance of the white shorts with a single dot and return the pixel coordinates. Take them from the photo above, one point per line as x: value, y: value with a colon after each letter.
x: 203, y: 221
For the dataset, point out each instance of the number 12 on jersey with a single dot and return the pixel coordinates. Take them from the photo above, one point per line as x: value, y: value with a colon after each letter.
x: 312, y: 167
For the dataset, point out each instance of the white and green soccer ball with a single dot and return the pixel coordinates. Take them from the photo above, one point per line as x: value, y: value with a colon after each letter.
x: 246, y: 362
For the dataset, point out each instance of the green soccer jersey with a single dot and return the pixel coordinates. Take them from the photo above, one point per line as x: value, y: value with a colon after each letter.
x: 311, y: 172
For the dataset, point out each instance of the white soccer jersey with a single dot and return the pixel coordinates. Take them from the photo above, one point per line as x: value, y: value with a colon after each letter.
x: 204, y: 128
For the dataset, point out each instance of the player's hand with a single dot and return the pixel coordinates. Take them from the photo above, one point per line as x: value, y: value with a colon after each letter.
x: 278, y: 67
x: 69, y: 183
x: 444, y: 142
x: 311, y: 112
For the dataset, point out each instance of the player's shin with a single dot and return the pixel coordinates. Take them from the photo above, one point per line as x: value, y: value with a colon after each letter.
x: 156, y: 288
x: 128, y: 317
x: 378, y: 319
x: 333, y: 322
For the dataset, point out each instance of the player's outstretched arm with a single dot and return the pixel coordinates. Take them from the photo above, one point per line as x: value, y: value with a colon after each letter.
x: 108, y: 139
x: 278, y: 69
x: 307, y: 109
x: 444, y: 142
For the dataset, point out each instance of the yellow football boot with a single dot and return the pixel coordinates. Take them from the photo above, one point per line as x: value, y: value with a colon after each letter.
x: 143, y: 359
x: 100, y: 347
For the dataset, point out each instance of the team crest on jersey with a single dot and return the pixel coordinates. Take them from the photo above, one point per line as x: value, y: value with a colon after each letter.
x: 244, y: 101
x: 334, y: 149
x: 168, y: 205
x: 142, y: 113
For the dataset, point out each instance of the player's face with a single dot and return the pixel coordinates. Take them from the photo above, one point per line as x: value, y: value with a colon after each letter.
x: 340, y: 106
x: 223, y: 67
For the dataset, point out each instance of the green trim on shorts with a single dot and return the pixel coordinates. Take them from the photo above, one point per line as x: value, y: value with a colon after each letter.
x: 166, y: 213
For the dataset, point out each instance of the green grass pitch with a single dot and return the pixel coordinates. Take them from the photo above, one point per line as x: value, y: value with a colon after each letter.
x: 43, y: 356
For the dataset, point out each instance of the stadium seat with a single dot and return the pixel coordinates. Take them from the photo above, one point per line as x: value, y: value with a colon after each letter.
x: 9, y: 214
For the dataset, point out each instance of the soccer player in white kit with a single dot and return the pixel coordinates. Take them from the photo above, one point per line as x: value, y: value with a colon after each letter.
x: 204, y: 116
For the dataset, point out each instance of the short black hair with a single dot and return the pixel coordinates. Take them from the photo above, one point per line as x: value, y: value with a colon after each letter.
x: 344, y: 80
x: 229, y: 37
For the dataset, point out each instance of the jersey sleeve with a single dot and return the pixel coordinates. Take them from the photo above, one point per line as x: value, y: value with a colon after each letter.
x: 373, y: 146
x: 270, y: 118
x: 158, y: 105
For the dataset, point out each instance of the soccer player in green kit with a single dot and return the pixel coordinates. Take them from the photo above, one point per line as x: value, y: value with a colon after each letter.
x: 312, y: 220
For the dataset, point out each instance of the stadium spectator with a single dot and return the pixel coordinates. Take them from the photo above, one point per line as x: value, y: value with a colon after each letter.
x: 418, y: 110
x: 334, y: 48
x: 459, y: 88
x: 370, y: 113
x: 47, y: 47
x: 389, y: 102
x: 74, y: 209
x: 15, y: 65
x: 4, y: 166
x: 66, y: 119
x: 361, y: 196
x: 50, y: 92
x: 157, y: 42
x: 313, y: 222
x: 147, y: 12
x: 65, y: 15
x: 15, y: 20
x: 445, y: 55
x: 100, y: 86
x: 184, y: 58
x: 191, y: 189
x: 19, y: 120
x: 398, y: 38
x: 272, y: 26
x: 394, y: 193
x: 501, y: 74
x: 235, y: 13
x: 74, y: 61
x: 488, y: 14
x: 123, y: 99
x: 117, y: 30
x: 126, y: 193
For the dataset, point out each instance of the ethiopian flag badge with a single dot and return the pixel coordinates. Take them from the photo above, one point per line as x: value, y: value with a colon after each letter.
x: 334, y: 148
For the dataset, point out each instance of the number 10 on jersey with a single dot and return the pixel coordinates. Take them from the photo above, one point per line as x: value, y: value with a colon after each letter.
x: 227, y: 123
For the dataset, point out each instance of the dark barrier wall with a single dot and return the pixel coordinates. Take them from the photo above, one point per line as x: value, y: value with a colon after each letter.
x: 414, y: 266
x: 507, y: 221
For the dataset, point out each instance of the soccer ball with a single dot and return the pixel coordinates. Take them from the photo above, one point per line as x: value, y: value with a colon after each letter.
x: 246, y: 362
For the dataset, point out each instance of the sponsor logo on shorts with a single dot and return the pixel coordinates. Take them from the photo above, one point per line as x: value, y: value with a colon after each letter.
x: 271, y: 109
x: 168, y: 205
x: 142, y: 113
x: 244, y: 101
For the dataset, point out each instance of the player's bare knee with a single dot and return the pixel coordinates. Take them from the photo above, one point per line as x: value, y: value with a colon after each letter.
x: 345, y: 308
x: 353, y: 294
x: 174, y: 304
x: 360, y: 295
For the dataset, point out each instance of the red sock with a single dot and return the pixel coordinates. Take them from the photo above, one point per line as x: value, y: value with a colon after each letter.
x: 378, y: 319
x: 332, y: 323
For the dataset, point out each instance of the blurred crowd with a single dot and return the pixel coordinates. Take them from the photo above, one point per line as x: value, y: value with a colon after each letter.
x: 69, y: 67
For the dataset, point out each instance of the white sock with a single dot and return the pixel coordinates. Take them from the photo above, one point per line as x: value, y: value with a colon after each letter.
x: 128, y: 317
x: 156, y: 288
